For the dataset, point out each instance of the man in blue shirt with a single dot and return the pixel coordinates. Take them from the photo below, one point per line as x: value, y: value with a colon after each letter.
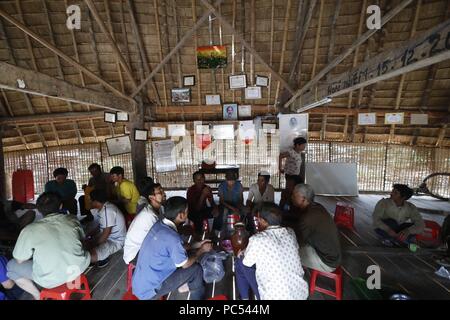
x: 163, y: 264
x: 8, y: 289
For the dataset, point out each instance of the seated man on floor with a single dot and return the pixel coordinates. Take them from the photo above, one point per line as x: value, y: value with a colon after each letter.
x: 98, y: 180
x: 126, y: 192
x: 20, y: 214
x: 271, y: 265
x: 48, y: 252
x: 141, y: 185
x: 144, y: 221
x: 8, y: 289
x: 112, y: 233
x: 65, y: 188
x: 163, y: 264
x: 316, y: 231
x: 391, y: 216
x: 261, y: 191
x: 231, y: 200
x: 200, y: 202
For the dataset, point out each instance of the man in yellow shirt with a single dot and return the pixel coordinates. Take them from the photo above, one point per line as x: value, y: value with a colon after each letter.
x: 126, y: 191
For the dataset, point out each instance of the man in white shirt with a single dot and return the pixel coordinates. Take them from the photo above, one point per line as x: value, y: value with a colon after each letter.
x: 112, y: 229
x: 143, y: 184
x: 271, y: 265
x: 260, y: 192
x: 396, y: 220
x: 144, y: 221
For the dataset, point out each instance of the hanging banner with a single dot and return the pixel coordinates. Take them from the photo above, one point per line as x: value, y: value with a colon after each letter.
x: 291, y: 127
x: 202, y: 135
x: 164, y: 155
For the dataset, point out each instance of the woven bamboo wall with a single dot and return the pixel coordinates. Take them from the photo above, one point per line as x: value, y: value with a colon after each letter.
x: 379, y: 165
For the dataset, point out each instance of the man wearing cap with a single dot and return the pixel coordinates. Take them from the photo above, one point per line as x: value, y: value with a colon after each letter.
x: 260, y: 192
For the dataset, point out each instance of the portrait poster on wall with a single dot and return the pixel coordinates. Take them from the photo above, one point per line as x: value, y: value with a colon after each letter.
x: 230, y: 111
x: 291, y: 127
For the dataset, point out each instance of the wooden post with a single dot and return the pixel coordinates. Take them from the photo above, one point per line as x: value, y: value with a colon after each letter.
x: 2, y: 169
x: 138, y: 154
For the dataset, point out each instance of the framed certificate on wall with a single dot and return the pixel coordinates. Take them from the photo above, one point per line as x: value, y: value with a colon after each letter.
x: 238, y: 81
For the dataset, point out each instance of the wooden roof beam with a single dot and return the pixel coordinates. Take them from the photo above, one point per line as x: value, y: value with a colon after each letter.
x: 385, y: 19
x: 60, y: 71
x: 57, y: 51
x: 429, y: 48
x: 112, y: 42
x: 402, y: 77
x: 56, y: 117
x: 43, y: 85
x: 141, y: 47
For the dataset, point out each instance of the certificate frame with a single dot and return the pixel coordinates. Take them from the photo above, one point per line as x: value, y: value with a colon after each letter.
x: 261, y: 81
x: 122, y: 116
x: 118, y: 145
x: 237, y: 81
x: 189, y: 81
x: 253, y: 93
x: 213, y: 99
x: 109, y: 117
x: 394, y: 118
x: 140, y: 134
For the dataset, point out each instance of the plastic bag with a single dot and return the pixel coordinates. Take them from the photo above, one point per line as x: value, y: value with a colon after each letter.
x: 212, y: 265
x: 442, y: 272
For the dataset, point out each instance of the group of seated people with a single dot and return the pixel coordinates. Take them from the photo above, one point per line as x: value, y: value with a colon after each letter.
x: 53, y: 248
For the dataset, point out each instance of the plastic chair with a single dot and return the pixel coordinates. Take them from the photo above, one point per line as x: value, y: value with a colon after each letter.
x: 344, y: 216
x: 64, y: 291
x: 431, y: 232
x: 335, y: 275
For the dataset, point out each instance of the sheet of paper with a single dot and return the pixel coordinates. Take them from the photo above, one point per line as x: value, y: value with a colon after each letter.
x: 223, y: 132
x: 164, y: 155
x: 177, y: 130
x: 419, y: 118
x: 247, y: 130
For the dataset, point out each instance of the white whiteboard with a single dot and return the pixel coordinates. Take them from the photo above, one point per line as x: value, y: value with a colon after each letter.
x: 337, y: 179
x: 118, y: 145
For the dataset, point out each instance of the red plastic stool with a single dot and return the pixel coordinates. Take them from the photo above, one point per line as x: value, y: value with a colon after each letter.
x: 344, y: 216
x: 218, y: 297
x: 431, y: 232
x: 336, y: 275
x: 129, y: 294
x: 64, y: 291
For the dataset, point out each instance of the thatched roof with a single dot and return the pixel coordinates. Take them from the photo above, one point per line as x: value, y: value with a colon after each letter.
x: 269, y: 26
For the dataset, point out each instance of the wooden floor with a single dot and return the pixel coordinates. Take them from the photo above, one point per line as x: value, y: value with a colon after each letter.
x: 401, y: 270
